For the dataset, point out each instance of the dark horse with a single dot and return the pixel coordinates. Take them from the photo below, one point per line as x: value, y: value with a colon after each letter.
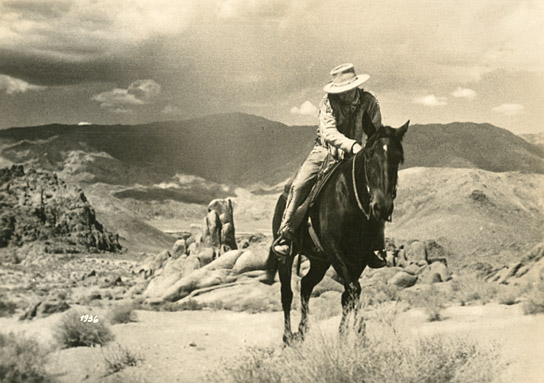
x: 347, y: 216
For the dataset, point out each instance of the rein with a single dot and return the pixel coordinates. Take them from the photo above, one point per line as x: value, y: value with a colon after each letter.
x: 357, y: 198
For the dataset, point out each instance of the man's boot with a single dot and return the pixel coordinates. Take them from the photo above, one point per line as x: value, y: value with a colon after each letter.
x: 377, y: 259
x: 282, y: 246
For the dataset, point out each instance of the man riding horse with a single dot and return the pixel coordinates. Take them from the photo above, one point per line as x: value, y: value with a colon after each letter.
x: 339, y: 135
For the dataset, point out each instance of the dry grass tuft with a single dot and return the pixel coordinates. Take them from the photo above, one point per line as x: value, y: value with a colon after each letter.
x: 22, y: 360
x: 470, y: 289
x: 534, y: 303
x: 72, y: 332
x: 7, y: 307
x: 432, y: 300
x: 118, y: 357
x: 386, y: 356
x: 123, y: 313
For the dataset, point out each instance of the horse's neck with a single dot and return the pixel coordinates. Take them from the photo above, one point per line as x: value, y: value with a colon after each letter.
x: 361, y: 181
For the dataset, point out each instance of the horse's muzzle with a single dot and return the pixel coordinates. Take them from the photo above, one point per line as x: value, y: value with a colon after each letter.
x: 382, y: 208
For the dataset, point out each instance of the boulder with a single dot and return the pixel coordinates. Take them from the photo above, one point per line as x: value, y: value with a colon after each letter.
x: 212, y: 230
x: 416, y: 252
x: 198, y: 279
x: 179, y: 249
x: 403, y: 280
x: 193, y: 248
x: 435, y: 272
x: 206, y: 256
x: 327, y: 284
x: 250, y: 260
x: 414, y: 269
x: 248, y: 297
x: 224, y: 210
x: 173, y: 271
x: 226, y: 261
x: 153, y: 264
x: 190, y: 264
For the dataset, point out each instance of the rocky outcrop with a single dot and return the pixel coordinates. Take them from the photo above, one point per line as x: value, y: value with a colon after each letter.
x: 529, y: 270
x: 38, y: 206
x: 219, y: 225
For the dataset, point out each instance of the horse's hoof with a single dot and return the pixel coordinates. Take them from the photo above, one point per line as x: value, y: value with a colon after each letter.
x: 293, y: 338
x: 287, y: 340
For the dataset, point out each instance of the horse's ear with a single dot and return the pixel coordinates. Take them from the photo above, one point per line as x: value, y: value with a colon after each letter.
x: 402, y: 130
x: 368, y: 125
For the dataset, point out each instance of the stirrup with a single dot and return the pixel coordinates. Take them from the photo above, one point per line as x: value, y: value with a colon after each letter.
x: 282, y: 248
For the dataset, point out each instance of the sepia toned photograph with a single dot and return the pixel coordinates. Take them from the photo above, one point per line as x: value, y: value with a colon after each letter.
x: 275, y: 191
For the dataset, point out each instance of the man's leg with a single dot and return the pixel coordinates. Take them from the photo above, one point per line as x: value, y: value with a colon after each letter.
x: 302, y: 184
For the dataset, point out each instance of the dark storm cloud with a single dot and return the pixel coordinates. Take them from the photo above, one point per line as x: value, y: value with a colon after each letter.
x: 271, y: 57
x: 37, y: 9
x: 43, y: 70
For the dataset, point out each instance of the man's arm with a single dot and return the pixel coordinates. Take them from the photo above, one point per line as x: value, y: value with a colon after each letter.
x: 373, y: 110
x: 328, y: 129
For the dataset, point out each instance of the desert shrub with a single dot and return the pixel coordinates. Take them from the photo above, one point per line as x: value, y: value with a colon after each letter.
x: 508, y: 295
x: 187, y: 305
x: 378, y: 293
x: 356, y: 358
x: 118, y: 357
x: 469, y: 288
x: 432, y: 300
x: 22, y: 360
x: 534, y: 302
x: 7, y: 307
x: 254, y: 306
x: 122, y: 314
x: 73, y: 332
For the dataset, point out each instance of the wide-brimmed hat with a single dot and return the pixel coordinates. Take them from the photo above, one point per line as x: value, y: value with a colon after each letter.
x: 344, y: 78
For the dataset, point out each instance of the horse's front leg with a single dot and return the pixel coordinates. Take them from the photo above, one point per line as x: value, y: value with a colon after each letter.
x: 311, y: 279
x: 350, y: 304
x: 284, y: 271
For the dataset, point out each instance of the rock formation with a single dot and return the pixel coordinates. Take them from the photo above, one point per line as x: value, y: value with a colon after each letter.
x: 219, y: 230
x: 38, y: 206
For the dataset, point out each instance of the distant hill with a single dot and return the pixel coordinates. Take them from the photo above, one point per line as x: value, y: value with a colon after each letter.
x: 242, y: 149
x: 536, y: 139
x: 479, y: 216
x: 470, y: 145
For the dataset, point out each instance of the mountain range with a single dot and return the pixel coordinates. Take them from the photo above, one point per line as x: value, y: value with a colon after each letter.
x: 242, y: 149
x: 474, y: 188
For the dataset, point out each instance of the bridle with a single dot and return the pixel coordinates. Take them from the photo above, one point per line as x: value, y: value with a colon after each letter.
x: 357, y: 198
x: 355, y: 189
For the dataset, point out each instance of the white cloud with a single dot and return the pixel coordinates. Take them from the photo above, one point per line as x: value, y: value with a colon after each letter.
x: 14, y: 85
x: 509, y: 109
x: 306, y: 109
x: 430, y: 100
x: 82, y: 123
x: 75, y: 30
x: 463, y: 93
x: 139, y: 92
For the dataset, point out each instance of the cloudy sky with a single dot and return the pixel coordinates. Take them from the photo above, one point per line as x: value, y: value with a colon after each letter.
x: 133, y: 61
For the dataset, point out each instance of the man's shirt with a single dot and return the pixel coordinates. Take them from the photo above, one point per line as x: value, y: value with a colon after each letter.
x: 342, y: 126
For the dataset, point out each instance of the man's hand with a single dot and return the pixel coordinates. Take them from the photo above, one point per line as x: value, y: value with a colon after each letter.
x: 356, y: 148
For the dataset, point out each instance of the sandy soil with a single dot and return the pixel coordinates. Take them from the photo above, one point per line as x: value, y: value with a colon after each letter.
x: 189, y: 346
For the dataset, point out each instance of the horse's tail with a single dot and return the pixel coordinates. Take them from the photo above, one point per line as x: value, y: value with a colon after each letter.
x: 272, y: 262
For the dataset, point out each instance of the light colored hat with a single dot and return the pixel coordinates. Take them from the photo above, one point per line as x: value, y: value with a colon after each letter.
x: 344, y: 79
